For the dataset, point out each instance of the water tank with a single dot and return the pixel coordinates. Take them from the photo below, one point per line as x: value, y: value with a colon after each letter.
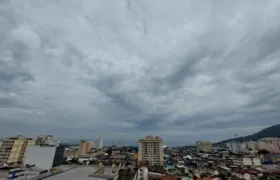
x: 142, y: 173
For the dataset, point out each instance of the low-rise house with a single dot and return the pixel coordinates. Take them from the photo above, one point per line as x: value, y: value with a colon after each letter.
x: 241, y: 175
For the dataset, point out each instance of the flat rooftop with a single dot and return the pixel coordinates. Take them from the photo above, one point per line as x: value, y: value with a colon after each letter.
x: 79, y: 173
x: 3, y: 174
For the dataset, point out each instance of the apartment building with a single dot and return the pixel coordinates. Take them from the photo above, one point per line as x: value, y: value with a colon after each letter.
x: 46, y: 140
x: 203, y: 146
x: 270, y: 144
x: 151, y: 149
x: 85, y: 147
x: 236, y: 146
x: 71, y: 152
x: 13, y: 149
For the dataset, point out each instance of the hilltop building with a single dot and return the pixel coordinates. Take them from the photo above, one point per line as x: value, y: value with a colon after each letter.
x: 270, y: 144
x: 203, y: 146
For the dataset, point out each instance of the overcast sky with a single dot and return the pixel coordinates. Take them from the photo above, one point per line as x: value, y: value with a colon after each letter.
x: 124, y: 69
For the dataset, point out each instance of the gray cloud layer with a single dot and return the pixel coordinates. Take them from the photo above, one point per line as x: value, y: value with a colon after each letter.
x: 184, y: 70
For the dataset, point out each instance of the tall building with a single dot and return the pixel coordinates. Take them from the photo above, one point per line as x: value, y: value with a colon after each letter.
x: 100, y: 143
x: 13, y: 149
x: 85, y: 147
x: 151, y: 149
x: 203, y: 146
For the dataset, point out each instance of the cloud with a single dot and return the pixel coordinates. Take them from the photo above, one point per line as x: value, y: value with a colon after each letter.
x: 185, y: 70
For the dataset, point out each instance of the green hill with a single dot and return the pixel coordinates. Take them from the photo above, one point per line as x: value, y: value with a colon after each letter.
x: 272, y: 131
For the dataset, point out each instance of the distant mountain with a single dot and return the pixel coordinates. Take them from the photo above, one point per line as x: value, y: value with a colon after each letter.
x: 272, y: 131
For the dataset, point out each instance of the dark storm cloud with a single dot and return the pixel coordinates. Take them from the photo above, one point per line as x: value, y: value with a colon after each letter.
x: 10, y: 74
x: 123, y: 101
x: 121, y: 68
x: 7, y: 102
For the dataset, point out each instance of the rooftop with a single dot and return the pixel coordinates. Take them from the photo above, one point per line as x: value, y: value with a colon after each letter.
x: 151, y: 138
x: 80, y: 172
x: 3, y: 174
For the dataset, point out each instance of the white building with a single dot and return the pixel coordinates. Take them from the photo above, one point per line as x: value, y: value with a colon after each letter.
x: 45, y: 157
x: 151, y: 149
x: 252, y: 145
x: 235, y: 146
x: 100, y: 143
x: 42, y: 157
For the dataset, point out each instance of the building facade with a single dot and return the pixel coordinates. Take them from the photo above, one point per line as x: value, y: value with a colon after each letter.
x: 251, y: 146
x: 40, y: 156
x: 236, y: 146
x: 46, y: 140
x: 270, y: 144
x: 151, y: 149
x: 203, y: 146
x: 85, y: 147
x: 58, y: 156
x: 100, y: 143
x: 13, y: 149
x: 72, y: 152
x: 46, y: 154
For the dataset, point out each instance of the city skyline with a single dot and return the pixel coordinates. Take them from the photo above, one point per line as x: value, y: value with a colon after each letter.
x: 122, y: 70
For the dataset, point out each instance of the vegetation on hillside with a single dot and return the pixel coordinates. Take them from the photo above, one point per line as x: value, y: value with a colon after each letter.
x: 272, y: 131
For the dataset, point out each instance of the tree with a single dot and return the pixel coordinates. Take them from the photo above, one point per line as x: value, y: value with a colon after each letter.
x: 109, y: 151
x: 223, y: 177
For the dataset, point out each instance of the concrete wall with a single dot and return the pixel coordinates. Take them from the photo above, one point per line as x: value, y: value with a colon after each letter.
x: 58, y: 157
x: 42, y: 157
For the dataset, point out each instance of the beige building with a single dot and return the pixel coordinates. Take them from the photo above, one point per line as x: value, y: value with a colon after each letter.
x: 203, y: 146
x: 270, y: 144
x: 71, y: 152
x: 85, y: 147
x: 151, y: 149
x: 13, y: 149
